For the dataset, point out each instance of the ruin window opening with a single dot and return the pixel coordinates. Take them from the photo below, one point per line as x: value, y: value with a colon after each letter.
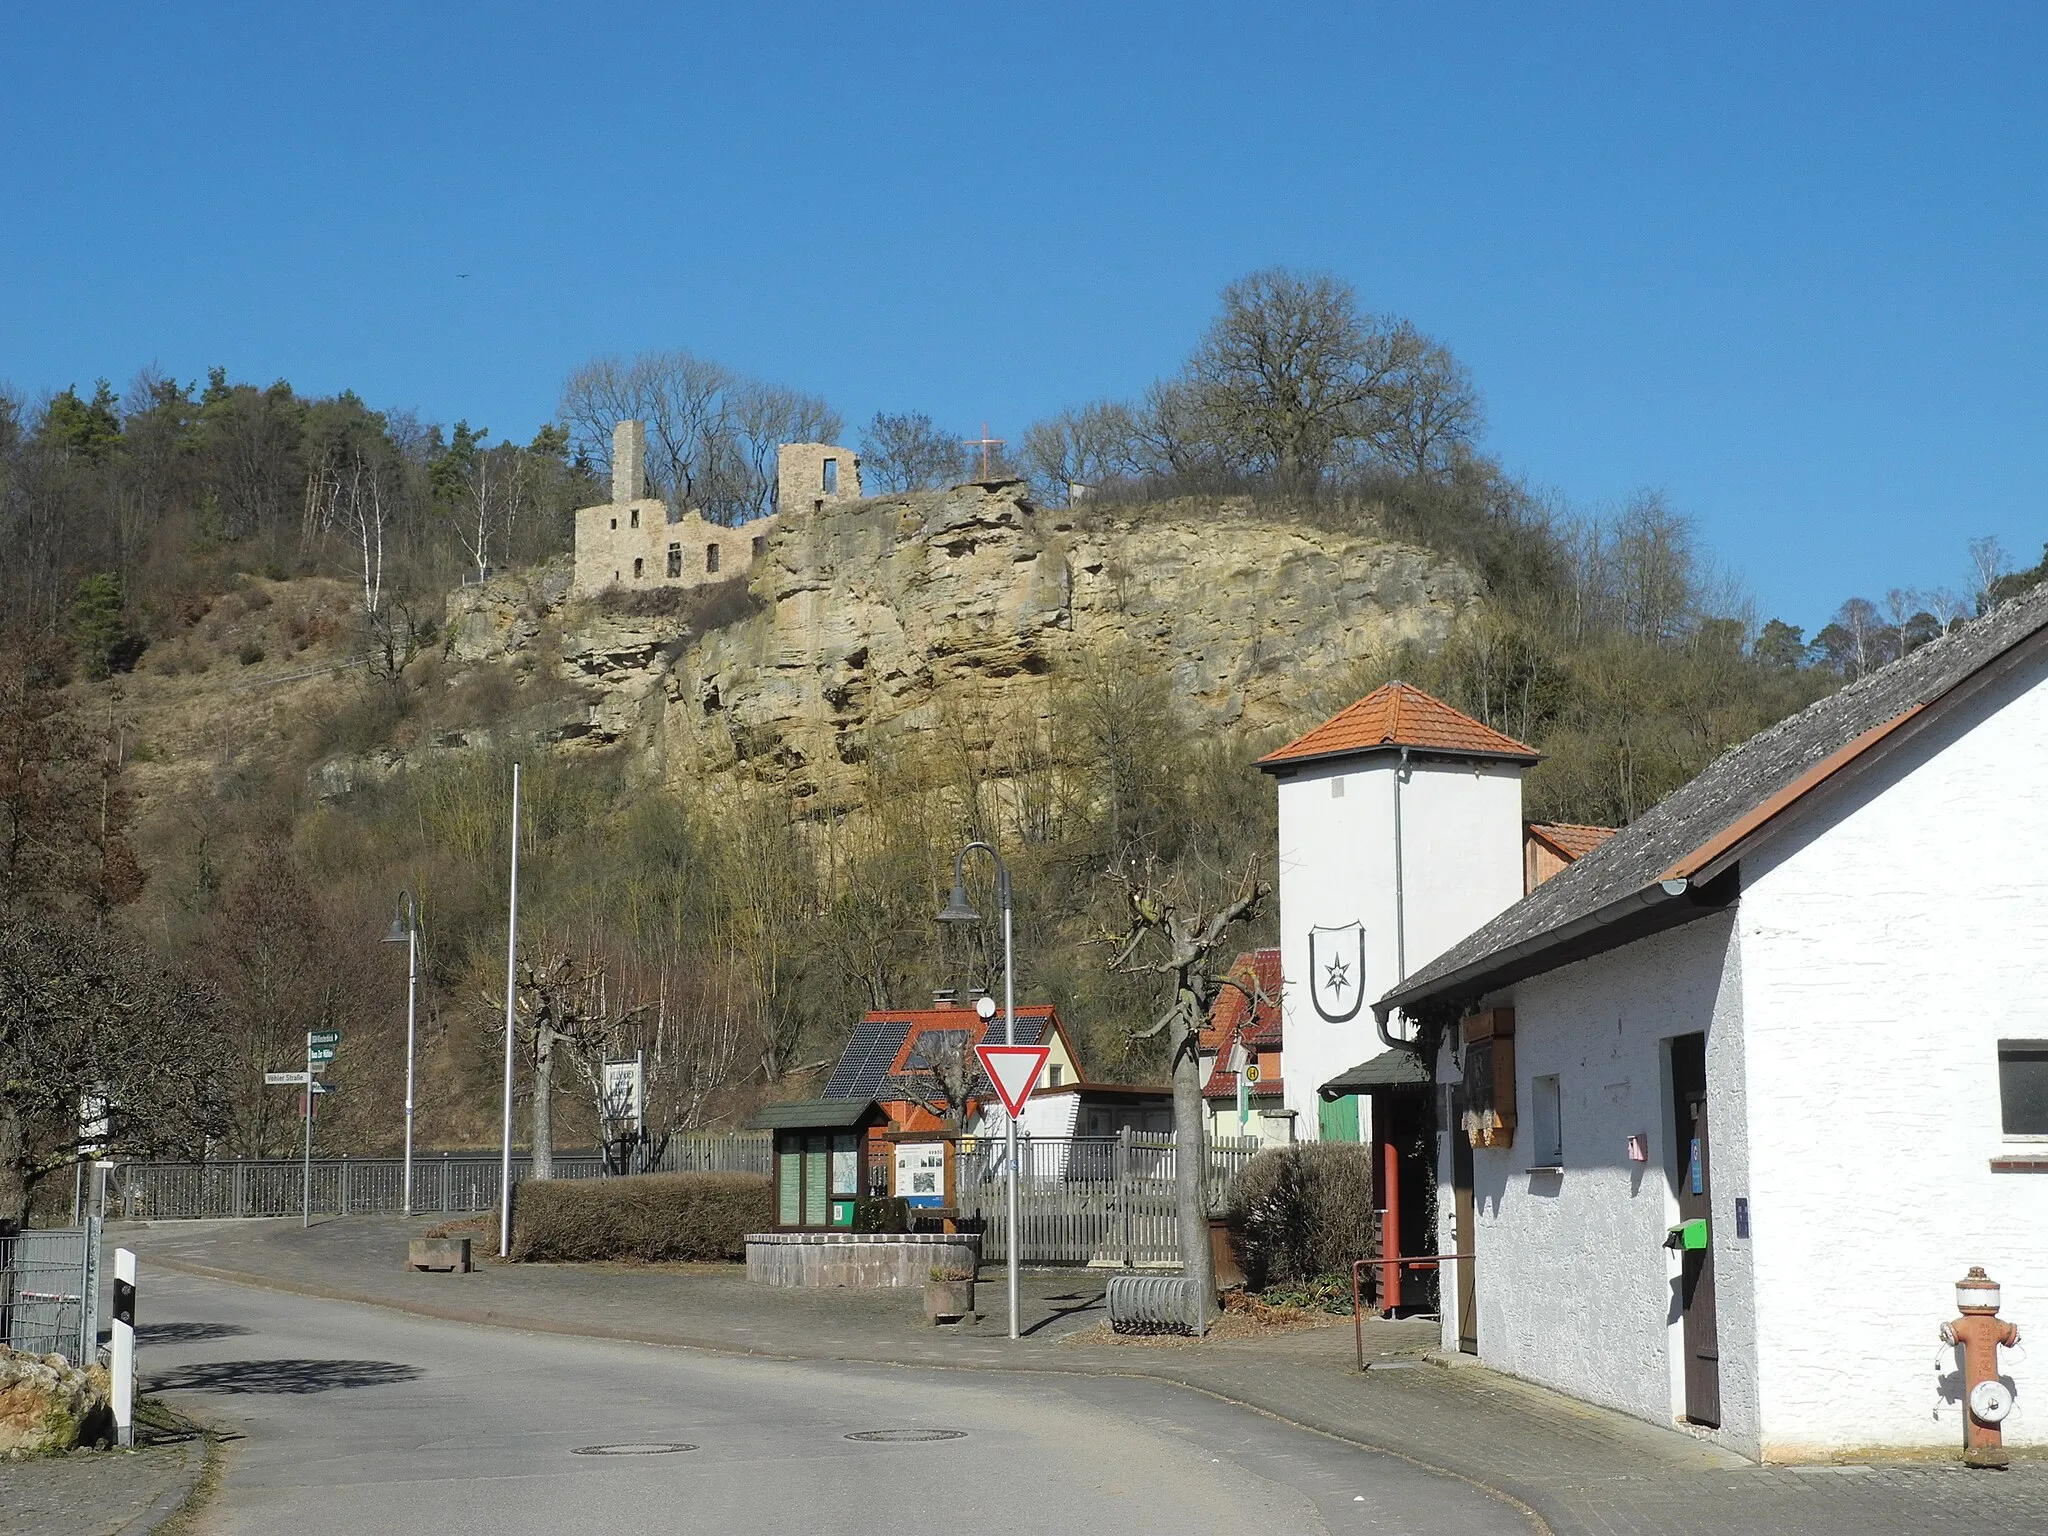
x: 675, y: 561
x: 615, y: 523
x: 637, y: 566
x: 760, y: 544
x: 635, y: 517
x: 831, y: 477
x: 711, y: 559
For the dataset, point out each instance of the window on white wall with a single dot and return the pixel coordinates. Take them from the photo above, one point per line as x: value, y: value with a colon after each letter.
x: 1337, y: 787
x: 2023, y: 1087
x: 1546, y: 1109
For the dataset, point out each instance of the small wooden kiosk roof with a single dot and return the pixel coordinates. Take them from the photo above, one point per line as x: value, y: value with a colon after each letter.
x: 819, y: 1115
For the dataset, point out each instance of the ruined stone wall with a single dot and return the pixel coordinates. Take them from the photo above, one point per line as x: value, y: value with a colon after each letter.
x: 628, y: 545
x: 804, y: 482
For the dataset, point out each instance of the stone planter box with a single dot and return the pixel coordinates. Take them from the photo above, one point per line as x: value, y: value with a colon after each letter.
x: 449, y: 1254
x: 948, y: 1301
x: 867, y: 1259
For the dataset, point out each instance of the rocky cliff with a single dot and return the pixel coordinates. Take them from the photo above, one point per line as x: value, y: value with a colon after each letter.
x: 870, y: 627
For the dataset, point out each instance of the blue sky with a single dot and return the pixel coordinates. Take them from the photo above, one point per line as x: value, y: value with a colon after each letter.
x: 1785, y: 263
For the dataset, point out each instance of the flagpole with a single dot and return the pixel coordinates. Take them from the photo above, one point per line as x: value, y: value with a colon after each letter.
x: 511, y: 996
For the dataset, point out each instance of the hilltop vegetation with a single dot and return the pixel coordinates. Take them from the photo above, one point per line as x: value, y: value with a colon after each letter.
x: 253, y: 730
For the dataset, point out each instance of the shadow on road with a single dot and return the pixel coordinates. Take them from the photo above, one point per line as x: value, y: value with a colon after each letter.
x: 1065, y: 1306
x: 292, y: 1377
x: 185, y: 1333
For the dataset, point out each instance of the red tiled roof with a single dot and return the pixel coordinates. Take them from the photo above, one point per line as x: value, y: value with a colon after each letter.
x: 1223, y: 1085
x: 1032, y: 1025
x: 1233, y: 1019
x: 1400, y: 715
x: 1227, y: 1016
x: 1569, y: 838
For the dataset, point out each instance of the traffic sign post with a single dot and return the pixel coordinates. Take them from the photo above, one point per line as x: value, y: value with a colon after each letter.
x: 321, y: 1045
x: 1015, y: 1070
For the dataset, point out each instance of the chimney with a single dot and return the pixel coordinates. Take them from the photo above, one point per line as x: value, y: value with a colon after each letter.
x: 629, y: 461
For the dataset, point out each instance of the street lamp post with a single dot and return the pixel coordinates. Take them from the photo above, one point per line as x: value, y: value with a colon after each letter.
x: 405, y: 929
x: 958, y: 911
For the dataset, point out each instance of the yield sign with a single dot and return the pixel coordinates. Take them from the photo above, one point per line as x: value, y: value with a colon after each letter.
x: 1014, y: 1070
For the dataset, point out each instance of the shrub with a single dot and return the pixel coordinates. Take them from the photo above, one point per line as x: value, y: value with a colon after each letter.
x: 648, y: 1216
x: 1303, y: 1211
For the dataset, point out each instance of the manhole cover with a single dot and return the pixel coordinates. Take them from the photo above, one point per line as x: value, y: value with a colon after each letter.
x: 634, y: 1448
x: 892, y: 1436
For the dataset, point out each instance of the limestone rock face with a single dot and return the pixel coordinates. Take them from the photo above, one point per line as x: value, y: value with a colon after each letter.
x: 47, y: 1404
x: 963, y: 610
x: 883, y: 625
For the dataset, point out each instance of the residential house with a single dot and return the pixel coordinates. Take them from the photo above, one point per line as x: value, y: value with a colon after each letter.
x: 1730, y: 1104
x: 1242, y: 1084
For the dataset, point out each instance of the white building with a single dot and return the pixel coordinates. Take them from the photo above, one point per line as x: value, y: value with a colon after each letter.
x: 1400, y: 833
x: 1804, y: 1000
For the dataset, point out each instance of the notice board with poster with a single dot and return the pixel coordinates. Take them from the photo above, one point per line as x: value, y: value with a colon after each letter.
x: 923, y: 1174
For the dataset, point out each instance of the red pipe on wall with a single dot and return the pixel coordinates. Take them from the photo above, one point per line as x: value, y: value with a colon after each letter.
x: 1390, y: 1228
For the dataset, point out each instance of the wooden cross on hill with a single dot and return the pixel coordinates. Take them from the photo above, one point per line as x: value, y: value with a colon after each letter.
x: 984, y: 443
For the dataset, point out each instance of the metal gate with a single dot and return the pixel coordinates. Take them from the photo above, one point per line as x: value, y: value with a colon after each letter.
x: 49, y: 1291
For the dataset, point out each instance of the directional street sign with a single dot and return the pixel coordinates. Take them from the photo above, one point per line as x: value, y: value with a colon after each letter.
x: 320, y: 1053
x: 286, y: 1079
x: 325, y: 1088
x: 1014, y: 1069
x: 327, y: 1037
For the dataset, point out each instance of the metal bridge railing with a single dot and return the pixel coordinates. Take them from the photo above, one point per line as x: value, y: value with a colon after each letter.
x: 449, y: 1184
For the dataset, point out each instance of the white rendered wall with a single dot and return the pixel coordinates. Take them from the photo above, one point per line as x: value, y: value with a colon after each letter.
x: 1462, y: 831
x: 1574, y: 1286
x: 1886, y: 952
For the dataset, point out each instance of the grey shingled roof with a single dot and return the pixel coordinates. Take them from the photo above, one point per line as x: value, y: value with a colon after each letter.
x: 1396, y: 1068
x: 817, y: 1115
x: 1628, y: 867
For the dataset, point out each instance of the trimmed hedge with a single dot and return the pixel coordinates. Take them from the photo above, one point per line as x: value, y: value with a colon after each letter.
x: 648, y: 1216
x: 1303, y: 1211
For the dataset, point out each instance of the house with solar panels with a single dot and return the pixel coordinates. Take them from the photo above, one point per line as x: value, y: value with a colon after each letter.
x: 902, y: 1058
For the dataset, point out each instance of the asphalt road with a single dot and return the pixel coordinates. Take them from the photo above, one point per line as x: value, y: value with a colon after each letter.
x: 355, y: 1419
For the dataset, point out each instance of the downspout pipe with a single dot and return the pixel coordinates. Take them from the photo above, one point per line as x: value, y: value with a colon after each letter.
x: 1400, y: 911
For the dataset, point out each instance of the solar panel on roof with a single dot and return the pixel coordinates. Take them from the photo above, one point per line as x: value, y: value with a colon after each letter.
x: 888, y: 1040
x: 847, y: 1073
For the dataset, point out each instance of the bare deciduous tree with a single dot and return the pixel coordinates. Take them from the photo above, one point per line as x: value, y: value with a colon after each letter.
x: 711, y: 432
x: 908, y: 452
x: 92, y: 1028
x: 562, y: 1004
x: 1182, y: 944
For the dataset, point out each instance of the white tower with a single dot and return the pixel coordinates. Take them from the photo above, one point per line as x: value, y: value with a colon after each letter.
x: 1400, y: 833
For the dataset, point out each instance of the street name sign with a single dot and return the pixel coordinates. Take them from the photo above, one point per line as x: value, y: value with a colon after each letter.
x: 1014, y: 1069
x: 328, y: 1037
x: 320, y: 1053
x: 286, y: 1079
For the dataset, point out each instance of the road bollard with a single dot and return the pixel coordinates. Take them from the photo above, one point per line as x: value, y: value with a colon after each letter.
x: 123, y: 1370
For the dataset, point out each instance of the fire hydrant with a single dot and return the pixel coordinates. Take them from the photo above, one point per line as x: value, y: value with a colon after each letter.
x: 1978, y: 1333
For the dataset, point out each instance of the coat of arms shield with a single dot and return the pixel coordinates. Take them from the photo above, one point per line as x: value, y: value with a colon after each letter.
x: 1336, y: 971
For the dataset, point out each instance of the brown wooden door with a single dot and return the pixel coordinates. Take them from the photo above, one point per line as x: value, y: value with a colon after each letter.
x: 1695, y: 1202
x: 1462, y: 1235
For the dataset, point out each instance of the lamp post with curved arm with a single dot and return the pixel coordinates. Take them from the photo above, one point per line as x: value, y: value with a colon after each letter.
x: 958, y: 911
x: 405, y: 929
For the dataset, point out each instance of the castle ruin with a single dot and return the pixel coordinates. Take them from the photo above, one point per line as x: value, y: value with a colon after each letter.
x: 638, y: 542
